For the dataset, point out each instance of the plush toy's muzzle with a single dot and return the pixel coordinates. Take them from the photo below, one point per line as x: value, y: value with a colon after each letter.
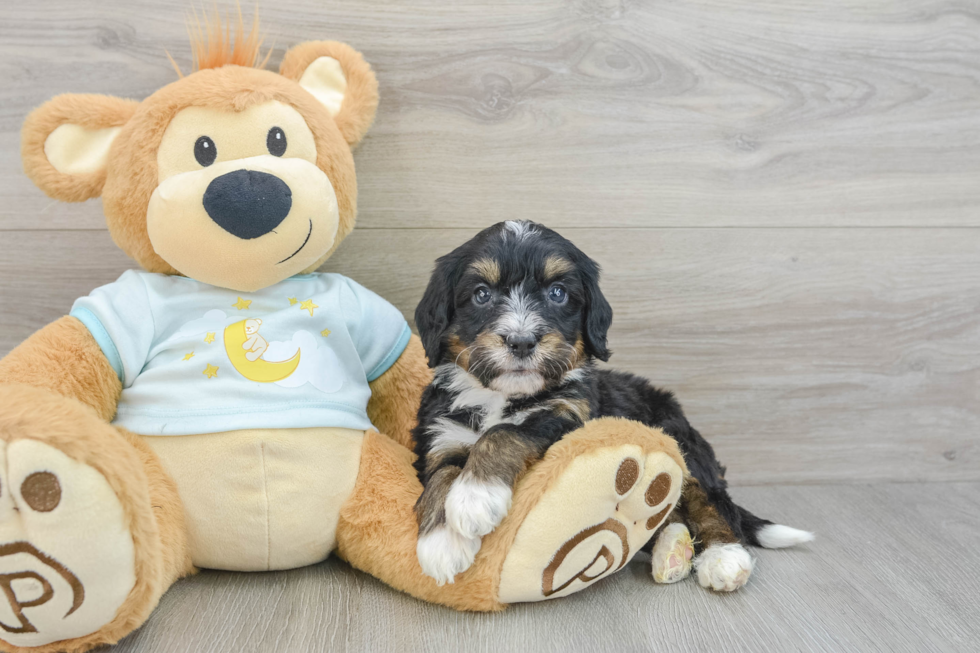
x: 244, y: 224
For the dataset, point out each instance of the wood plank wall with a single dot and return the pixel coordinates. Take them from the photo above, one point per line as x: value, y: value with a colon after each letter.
x: 785, y: 195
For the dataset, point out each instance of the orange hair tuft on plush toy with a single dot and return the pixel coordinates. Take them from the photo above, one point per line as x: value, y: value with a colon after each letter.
x: 212, y: 44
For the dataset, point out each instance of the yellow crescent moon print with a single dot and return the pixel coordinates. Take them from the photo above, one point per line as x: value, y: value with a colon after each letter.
x: 258, y: 370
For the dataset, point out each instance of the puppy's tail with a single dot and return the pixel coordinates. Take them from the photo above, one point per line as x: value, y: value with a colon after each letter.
x: 764, y: 533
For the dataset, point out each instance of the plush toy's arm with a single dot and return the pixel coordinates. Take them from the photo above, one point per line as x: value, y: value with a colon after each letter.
x: 64, y: 358
x: 395, y: 395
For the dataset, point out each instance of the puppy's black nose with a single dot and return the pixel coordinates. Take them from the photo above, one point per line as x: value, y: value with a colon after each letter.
x: 522, y: 346
x: 248, y: 203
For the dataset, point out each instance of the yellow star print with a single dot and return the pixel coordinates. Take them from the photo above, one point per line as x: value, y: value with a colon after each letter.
x: 189, y: 356
x: 242, y: 303
x: 209, y: 338
x: 293, y: 301
x: 210, y: 371
x: 308, y: 305
x: 325, y: 333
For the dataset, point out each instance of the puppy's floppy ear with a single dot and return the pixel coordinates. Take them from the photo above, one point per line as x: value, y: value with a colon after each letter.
x: 434, y: 313
x: 65, y: 143
x: 336, y: 75
x: 597, y: 313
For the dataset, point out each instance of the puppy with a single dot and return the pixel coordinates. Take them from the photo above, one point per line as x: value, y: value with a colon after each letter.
x: 513, y: 321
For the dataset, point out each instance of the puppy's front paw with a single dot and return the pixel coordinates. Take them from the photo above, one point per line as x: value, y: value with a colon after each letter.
x: 474, y: 507
x: 723, y: 567
x: 671, y: 555
x: 443, y: 553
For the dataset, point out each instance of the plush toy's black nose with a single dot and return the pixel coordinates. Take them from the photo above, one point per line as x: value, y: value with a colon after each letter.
x: 248, y: 203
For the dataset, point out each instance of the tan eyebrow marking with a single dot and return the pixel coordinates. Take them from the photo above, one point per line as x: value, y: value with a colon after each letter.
x: 488, y: 269
x: 555, y: 266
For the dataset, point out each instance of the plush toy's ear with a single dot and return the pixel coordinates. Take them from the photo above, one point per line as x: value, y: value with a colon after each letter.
x: 65, y: 143
x: 336, y: 75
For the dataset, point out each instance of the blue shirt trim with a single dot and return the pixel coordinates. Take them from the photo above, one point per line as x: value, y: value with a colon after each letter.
x: 103, y: 338
x: 392, y: 356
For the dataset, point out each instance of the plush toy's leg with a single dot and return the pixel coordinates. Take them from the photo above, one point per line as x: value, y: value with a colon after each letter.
x: 578, y: 515
x: 91, y: 527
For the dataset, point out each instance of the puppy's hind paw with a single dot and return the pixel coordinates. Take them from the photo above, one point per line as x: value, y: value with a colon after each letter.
x: 723, y: 567
x: 443, y: 553
x: 671, y: 556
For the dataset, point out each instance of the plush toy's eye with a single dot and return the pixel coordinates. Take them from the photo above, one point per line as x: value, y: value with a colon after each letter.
x: 276, y: 142
x: 558, y: 295
x: 481, y: 295
x: 205, y: 151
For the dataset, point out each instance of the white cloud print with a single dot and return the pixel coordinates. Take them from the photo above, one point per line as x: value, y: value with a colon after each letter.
x: 318, y: 366
x: 213, y: 320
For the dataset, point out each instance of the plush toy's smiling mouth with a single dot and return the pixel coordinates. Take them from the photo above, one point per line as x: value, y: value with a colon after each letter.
x: 308, y: 234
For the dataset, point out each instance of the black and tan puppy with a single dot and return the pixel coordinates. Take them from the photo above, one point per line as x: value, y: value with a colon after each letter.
x: 512, y: 321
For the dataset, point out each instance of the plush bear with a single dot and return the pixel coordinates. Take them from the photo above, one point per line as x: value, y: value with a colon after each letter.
x: 254, y: 345
x: 154, y: 430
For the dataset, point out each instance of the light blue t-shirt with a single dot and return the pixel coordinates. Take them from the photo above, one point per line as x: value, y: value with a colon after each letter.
x: 195, y: 358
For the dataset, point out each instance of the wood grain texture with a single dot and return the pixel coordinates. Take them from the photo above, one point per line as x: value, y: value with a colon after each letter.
x: 870, y: 582
x: 584, y: 112
x: 784, y: 195
x: 804, y: 355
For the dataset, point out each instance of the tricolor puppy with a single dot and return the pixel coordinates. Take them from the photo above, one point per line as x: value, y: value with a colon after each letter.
x: 513, y: 321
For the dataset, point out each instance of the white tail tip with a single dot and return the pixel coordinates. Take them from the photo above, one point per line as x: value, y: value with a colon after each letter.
x: 777, y: 536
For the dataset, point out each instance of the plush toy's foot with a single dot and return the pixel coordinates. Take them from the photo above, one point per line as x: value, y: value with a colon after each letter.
x: 66, y: 556
x: 597, y: 497
x: 723, y: 567
x: 580, y: 514
x: 672, y: 554
x: 81, y: 561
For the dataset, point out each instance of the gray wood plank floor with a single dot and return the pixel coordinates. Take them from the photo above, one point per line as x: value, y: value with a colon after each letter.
x: 784, y: 195
x: 894, y: 568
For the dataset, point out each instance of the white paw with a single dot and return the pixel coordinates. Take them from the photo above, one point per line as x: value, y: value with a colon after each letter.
x: 672, y: 554
x: 474, y: 508
x: 443, y: 553
x: 66, y: 554
x: 723, y: 567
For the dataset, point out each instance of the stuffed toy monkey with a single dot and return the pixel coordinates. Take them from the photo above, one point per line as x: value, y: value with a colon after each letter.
x: 227, y: 406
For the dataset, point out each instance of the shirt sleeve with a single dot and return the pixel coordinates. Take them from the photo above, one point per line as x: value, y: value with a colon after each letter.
x: 119, y: 318
x: 379, y: 331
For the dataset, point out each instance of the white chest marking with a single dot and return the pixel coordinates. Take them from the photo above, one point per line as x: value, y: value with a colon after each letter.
x: 447, y: 434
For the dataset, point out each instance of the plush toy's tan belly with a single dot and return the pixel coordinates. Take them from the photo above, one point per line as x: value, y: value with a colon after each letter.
x: 265, y: 498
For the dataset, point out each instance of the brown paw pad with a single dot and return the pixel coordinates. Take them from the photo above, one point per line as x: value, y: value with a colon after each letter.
x: 41, y: 491
x: 658, y: 489
x: 655, y: 520
x: 629, y: 472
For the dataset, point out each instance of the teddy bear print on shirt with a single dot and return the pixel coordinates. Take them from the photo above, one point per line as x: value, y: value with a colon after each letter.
x: 255, y: 345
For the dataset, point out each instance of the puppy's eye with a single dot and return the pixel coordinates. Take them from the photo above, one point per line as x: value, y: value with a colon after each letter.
x: 276, y: 142
x: 558, y: 295
x: 205, y: 151
x: 482, y: 295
